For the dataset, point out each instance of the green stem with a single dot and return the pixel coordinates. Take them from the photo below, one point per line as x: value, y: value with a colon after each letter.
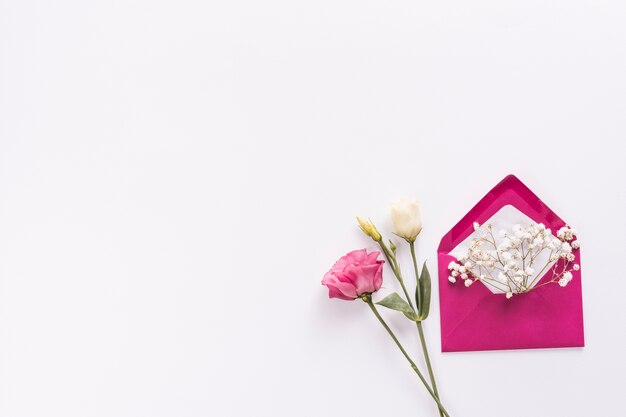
x: 420, y: 330
x: 417, y: 276
x: 431, y: 374
x: 368, y: 299
x: 396, y: 270
x: 391, y: 259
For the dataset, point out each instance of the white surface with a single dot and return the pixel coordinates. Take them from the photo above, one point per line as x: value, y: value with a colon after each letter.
x: 176, y: 177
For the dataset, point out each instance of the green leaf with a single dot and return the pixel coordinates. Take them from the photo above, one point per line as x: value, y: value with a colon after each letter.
x: 395, y: 302
x: 425, y: 290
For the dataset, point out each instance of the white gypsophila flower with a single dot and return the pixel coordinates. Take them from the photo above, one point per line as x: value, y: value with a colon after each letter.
x: 509, y: 295
x: 576, y: 267
x: 563, y: 282
x: 476, y: 226
x: 505, y: 245
x: 452, y: 279
x: 468, y: 282
x: 452, y: 265
x: 568, y: 276
x: 455, y: 273
x: 566, y: 233
x: 407, y: 219
x: 512, y: 261
x: 576, y: 244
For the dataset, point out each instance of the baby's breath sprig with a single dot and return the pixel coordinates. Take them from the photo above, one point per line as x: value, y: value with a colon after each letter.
x: 509, y: 264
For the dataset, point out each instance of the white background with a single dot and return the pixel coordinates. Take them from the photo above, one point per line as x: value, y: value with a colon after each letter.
x: 176, y: 177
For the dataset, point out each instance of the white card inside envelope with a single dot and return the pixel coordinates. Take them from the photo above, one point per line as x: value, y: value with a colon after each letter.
x: 505, y: 219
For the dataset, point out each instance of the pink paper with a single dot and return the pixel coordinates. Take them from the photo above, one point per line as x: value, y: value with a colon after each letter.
x: 474, y: 318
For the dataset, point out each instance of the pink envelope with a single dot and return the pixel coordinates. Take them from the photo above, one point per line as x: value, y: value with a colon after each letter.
x: 474, y: 318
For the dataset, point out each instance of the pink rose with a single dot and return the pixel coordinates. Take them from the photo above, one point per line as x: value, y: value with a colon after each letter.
x: 355, y: 274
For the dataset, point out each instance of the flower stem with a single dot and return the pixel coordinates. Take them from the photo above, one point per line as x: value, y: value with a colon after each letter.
x: 396, y: 270
x: 431, y: 374
x: 368, y: 300
x: 420, y: 330
x: 417, y: 276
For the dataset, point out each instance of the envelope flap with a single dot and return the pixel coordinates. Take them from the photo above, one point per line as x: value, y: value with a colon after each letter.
x: 509, y: 191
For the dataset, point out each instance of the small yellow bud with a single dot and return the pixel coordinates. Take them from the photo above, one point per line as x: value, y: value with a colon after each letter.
x: 369, y: 229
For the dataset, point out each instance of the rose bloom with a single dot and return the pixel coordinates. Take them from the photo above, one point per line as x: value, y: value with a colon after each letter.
x: 407, y: 218
x: 355, y: 274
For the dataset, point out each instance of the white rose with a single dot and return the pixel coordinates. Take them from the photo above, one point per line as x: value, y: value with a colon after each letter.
x: 406, y: 218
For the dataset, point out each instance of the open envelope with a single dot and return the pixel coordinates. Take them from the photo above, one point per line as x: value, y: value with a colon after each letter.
x: 476, y: 318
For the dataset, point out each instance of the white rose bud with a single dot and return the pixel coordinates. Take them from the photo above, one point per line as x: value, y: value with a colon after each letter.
x: 406, y: 218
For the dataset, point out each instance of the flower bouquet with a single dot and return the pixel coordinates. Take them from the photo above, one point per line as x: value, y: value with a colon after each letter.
x: 359, y: 274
